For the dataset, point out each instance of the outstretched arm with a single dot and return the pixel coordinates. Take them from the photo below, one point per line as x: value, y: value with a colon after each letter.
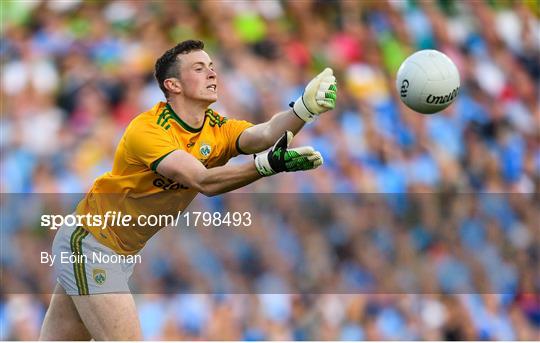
x: 187, y: 170
x: 261, y: 136
x: 319, y: 97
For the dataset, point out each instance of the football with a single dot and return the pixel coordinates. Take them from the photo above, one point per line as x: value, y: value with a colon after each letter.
x: 428, y: 81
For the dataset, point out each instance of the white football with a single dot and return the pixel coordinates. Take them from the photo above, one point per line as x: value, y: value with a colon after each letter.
x: 427, y: 81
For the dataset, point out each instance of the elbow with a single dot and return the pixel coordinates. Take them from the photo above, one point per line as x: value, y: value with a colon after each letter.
x: 208, y: 190
x: 206, y: 184
x: 201, y: 186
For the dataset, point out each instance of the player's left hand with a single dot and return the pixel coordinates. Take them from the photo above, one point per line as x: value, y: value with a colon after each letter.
x: 319, y: 96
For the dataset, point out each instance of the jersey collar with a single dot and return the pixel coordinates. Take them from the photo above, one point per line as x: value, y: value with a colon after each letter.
x: 182, y: 123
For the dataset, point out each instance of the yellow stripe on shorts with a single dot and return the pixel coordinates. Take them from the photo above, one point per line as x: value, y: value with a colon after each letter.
x: 79, y: 266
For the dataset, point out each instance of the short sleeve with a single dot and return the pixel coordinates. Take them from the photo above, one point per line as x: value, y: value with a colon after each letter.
x: 148, y: 143
x: 233, y: 129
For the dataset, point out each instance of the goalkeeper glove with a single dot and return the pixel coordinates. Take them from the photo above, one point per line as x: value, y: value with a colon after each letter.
x: 319, y: 96
x: 280, y: 158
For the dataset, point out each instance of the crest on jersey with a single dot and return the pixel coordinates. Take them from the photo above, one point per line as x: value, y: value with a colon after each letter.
x: 99, y: 276
x: 205, y: 149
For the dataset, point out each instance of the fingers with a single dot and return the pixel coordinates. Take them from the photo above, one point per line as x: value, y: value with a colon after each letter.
x: 304, y: 150
x: 316, y: 159
x: 326, y: 86
x: 327, y: 103
x: 325, y: 95
x: 327, y: 92
x: 326, y: 99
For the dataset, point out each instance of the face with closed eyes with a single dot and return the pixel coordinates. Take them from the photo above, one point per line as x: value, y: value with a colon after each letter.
x: 197, y: 80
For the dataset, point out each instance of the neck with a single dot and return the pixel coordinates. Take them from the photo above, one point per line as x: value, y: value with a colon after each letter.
x: 191, y: 113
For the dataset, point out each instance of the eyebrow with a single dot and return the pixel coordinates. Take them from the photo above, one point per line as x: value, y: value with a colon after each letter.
x: 202, y: 63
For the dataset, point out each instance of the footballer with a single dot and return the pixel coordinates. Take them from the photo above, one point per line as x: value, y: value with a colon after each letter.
x: 167, y: 155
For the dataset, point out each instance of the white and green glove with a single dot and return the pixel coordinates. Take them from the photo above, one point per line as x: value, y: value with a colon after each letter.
x: 280, y: 158
x: 319, y: 96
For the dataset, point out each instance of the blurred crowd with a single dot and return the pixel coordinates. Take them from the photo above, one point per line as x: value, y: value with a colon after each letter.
x: 75, y: 73
x: 315, y: 266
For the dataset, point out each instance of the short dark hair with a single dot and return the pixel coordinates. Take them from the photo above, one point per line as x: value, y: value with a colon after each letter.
x: 168, y: 64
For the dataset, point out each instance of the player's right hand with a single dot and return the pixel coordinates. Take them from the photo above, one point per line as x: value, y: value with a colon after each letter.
x: 319, y: 96
x: 280, y: 158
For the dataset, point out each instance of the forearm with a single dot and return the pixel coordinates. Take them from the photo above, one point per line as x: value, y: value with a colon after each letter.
x: 281, y: 122
x: 185, y: 169
x: 262, y: 136
x: 223, y: 179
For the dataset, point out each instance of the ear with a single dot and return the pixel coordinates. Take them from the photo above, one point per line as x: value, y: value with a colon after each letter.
x: 173, y: 85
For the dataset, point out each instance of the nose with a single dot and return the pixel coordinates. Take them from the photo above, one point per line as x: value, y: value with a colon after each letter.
x: 212, y: 74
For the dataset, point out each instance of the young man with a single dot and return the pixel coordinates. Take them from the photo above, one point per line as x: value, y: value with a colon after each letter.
x: 167, y: 156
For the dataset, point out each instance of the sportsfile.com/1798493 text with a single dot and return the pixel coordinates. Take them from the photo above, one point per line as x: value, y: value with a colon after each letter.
x: 186, y: 219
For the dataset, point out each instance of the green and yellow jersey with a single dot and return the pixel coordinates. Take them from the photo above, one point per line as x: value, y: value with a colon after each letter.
x: 134, y: 188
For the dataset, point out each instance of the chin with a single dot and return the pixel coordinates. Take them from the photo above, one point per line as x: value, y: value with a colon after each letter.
x: 206, y: 98
x: 211, y: 99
